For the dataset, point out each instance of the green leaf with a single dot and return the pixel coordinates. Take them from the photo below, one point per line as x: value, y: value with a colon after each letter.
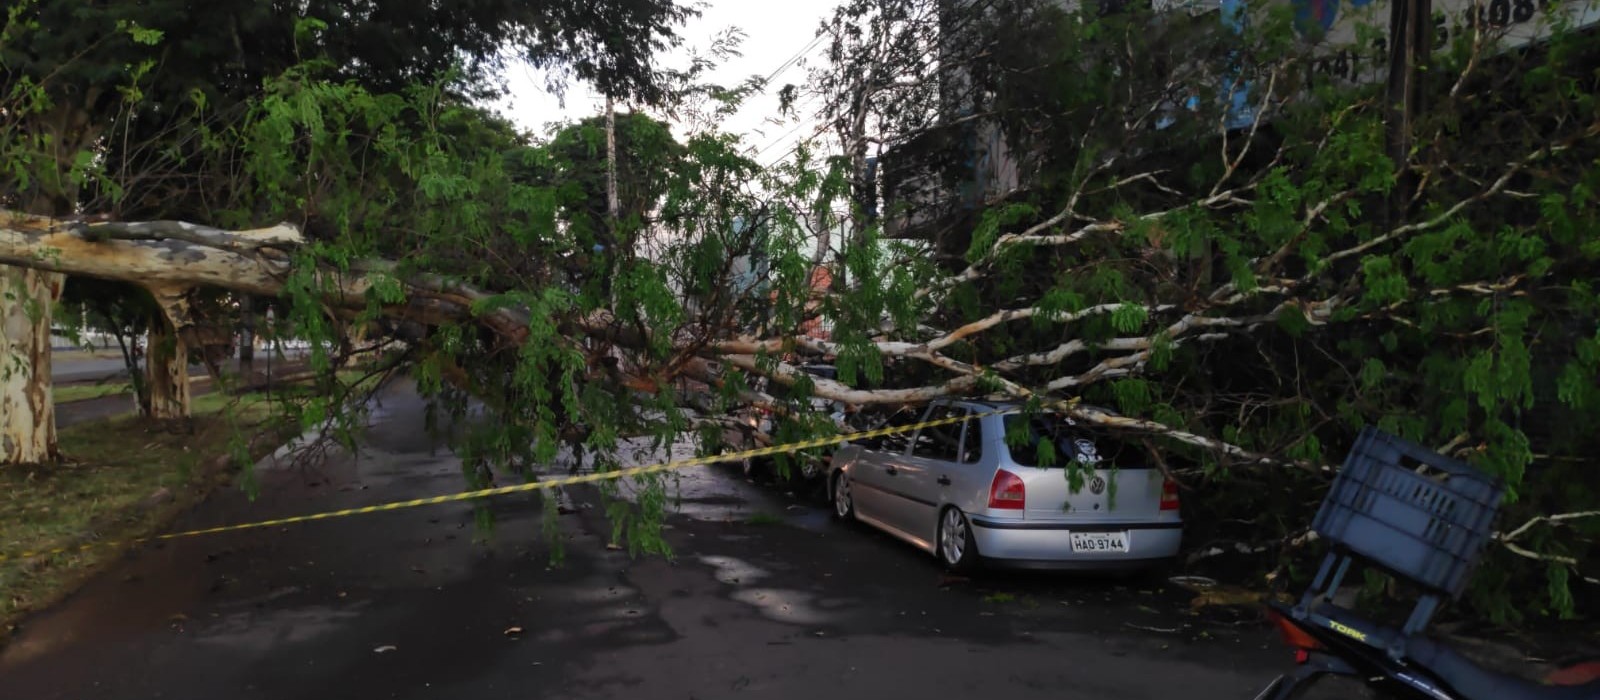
x: 1129, y: 318
x: 1373, y: 373
x: 140, y: 35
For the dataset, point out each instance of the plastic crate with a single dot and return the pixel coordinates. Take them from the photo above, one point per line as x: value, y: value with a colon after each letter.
x: 1414, y: 512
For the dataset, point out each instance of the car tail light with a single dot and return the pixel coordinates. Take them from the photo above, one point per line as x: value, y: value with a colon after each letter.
x: 1575, y: 674
x: 1169, y: 495
x: 1007, y: 492
x: 1294, y: 636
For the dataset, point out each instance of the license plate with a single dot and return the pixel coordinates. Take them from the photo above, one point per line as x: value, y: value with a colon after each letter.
x: 1099, y: 541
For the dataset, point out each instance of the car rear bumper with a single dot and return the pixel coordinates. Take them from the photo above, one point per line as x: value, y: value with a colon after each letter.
x: 1049, y: 545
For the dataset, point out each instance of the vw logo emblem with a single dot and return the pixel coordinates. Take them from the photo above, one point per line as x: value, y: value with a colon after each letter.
x: 1097, y: 485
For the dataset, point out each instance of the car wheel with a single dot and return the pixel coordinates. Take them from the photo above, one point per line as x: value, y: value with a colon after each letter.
x: 843, y: 507
x: 809, y: 469
x: 957, y: 550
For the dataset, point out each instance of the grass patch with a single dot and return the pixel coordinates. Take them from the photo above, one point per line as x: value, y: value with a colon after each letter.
x: 124, y: 477
x: 85, y: 392
x: 763, y: 519
x: 999, y: 598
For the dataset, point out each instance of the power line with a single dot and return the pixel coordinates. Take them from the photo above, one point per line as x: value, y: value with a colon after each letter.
x: 798, y: 144
x: 807, y: 49
x: 778, y: 140
x: 798, y: 110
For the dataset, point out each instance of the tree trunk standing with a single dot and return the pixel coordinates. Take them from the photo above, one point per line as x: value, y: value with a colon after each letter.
x: 27, y: 407
x: 27, y: 304
x: 166, y: 369
x: 167, y: 363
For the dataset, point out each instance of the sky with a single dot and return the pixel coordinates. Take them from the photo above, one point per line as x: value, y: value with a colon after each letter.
x: 775, y: 32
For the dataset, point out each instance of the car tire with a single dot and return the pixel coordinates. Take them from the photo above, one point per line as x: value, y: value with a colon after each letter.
x: 956, y: 548
x: 839, y: 494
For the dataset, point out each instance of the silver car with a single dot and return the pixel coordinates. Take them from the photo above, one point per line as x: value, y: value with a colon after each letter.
x: 965, y: 493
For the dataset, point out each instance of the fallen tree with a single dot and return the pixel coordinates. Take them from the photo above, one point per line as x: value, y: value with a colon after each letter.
x: 1224, y: 291
x: 1203, y: 225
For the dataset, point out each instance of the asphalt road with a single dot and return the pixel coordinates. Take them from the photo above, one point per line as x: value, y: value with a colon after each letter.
x: 421, y: 604
x: 68, y: 366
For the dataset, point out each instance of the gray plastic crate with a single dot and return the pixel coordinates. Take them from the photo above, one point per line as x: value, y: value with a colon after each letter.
x: 1414, y: 512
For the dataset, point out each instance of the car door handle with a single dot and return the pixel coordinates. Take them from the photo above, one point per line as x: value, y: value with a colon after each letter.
x: 944, y: 481
x: 891, y: 470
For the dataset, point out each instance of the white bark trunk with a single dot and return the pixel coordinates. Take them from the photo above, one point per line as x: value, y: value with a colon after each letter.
x: 167, y: 365
x: 167, y: 373
x: 193, y: 256
x: 27, y: 409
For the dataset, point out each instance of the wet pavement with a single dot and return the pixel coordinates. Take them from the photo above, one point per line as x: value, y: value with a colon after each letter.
x: 68, y: 367
x: 763, y: 597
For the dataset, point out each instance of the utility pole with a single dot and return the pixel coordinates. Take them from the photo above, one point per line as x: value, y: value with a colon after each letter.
x: 1410, y: 49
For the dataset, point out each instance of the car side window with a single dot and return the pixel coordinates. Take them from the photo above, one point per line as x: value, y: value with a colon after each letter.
x: 897, y: 442
x: 972, y: 443
x: 940, y: 442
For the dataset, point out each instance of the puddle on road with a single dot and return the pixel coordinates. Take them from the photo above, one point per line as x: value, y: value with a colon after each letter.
x: 777, y: 604
x: 784, y: 605
x: 733, y: 571
x: 815, y: 519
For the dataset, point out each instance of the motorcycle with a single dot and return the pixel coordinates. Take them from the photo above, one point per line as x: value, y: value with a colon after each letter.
x: 1423, y: 517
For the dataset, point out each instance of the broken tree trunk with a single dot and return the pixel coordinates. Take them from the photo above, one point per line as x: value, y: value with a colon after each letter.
x: 167, y: 365
x: 27, y: 408
x: 166, y: 374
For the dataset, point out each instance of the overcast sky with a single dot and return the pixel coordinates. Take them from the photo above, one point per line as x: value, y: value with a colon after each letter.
x: 776, y: 30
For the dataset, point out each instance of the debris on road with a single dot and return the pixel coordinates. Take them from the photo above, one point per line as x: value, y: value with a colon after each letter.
x: 385, y: 649
x: 1227, y: 596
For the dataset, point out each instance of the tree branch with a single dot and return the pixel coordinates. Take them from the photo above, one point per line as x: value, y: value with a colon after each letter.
x: 1107, y: 419
x: 281, y: 236
x: 1499, y: 184
x: 1562, y: 517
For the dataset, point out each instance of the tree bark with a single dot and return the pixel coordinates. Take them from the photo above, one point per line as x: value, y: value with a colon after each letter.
x: 27, y: 408
x: 167, y: 372
x: 167, y: 364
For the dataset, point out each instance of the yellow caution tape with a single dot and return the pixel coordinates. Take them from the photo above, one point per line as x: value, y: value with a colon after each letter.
x: 519, y: 488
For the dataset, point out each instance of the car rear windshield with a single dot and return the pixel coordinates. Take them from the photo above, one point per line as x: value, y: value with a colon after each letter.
x: 1048, y: 440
